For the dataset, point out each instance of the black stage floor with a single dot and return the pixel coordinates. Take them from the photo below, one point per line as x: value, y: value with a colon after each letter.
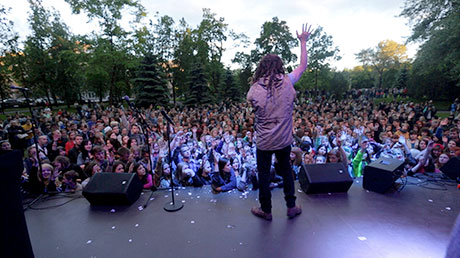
x: 415, y: 222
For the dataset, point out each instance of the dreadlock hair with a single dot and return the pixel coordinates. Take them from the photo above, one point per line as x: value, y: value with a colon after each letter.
x: 270, y: 66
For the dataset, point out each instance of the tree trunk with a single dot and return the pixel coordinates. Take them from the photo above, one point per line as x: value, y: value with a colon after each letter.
x: 316, y: 82
x: 49, y: 99
x: 112, y: 82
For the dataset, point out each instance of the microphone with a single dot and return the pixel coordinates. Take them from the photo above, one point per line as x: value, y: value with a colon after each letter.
x: 167, y: 117
x: 18, y: 88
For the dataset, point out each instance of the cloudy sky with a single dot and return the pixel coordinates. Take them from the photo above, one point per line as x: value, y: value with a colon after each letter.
x: 354, y: 25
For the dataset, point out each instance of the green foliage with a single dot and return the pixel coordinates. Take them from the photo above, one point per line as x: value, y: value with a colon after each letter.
x: 436, y: 69
x: 198, y: 90
x: 112, y: 51
x: 402, y: 78
x: 361, y: 77
x: 275, y: 38
x: 321, y: 50
x: 8, y: 50
x: 232, y: 91
x: 385, y: 60
x: 151, y: 84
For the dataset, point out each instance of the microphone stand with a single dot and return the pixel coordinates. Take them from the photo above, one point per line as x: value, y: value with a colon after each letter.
x: 145, y: 129
x: 171, y: 206
x: 24, y: 92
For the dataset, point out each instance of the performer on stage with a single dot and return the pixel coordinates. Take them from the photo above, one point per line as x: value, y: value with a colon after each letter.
x: 272, y: 96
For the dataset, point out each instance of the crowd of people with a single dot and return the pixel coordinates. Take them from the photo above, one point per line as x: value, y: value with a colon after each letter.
x: 216, y: 145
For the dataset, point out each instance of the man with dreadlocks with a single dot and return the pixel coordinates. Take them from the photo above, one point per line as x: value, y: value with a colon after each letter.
x: 272, y: 96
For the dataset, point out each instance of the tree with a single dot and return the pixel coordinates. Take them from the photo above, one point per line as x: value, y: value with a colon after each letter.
x: 198, y: 89
x: 275, y: 38
x: 183, y: 58
x: 402, y: 78
x: 232, y: 91
x: 338, y: 84
x: 151, y: 84
x: 244, y: 74
x: 8, y: 50
x: 321, y: 51
x: 114, y: 40
x: 361, y: 77
x: 387, y: 55
x: 47, y: 63
x: 436, y: 68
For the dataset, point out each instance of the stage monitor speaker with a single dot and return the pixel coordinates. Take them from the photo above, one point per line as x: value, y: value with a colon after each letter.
x: 452, y: 168
x: 113, y: 189
x: 15, y: 241
x: 380, y: 175
x: 324, y: 178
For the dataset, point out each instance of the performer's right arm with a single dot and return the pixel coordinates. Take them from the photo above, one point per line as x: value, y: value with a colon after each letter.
x: 303, y: 37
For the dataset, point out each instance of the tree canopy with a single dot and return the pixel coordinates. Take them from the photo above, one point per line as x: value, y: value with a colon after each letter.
x: 158, y: 57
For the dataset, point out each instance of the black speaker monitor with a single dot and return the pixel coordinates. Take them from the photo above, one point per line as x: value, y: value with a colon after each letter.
x: 324, y: 178
x: 113, y: 189
x: 380, y: 175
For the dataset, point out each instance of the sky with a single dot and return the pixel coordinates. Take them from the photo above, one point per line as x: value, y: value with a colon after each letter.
x: 353, y: 24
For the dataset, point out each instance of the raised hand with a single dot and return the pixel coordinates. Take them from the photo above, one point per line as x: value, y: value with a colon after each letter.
x: 306, y: 32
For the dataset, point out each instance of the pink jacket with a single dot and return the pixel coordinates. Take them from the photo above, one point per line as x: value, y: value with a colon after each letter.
x: 273, y: 109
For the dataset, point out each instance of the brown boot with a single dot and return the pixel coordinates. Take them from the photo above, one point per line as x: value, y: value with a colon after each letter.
x: 261, y: 214
x: 294, y: 211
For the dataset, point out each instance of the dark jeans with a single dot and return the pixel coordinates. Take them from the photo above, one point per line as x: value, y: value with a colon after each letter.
x: 264, y: 160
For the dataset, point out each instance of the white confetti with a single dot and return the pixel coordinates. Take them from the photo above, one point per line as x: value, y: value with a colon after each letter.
x: 177, y: 194
x: 183, y: 201
x: 231, y: 226
x: 112, y: 210
x: 130, y: 240
x: 198, y: 197
x: 362, y: 238
x: 142, y: 193
x: 241, y: 243
x: 89, y: 242
x: 113, y: 227
x: 140, y: 208
x: 298, y: 190
x: 137, y: 225
x: 329, y: 193
x: 183, y: 188
x: 166, y: 196
x: 153, y: 198
x: 429, y: 200
x: 193, y: 222
x: 357, y: 181
x: 448, y: 208
x: 367, y: 191
x: 241, y: 197
x: 189, y: 193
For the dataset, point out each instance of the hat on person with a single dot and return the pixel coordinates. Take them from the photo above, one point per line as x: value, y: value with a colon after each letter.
x: 438, y: 146
x: 107, y: 129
